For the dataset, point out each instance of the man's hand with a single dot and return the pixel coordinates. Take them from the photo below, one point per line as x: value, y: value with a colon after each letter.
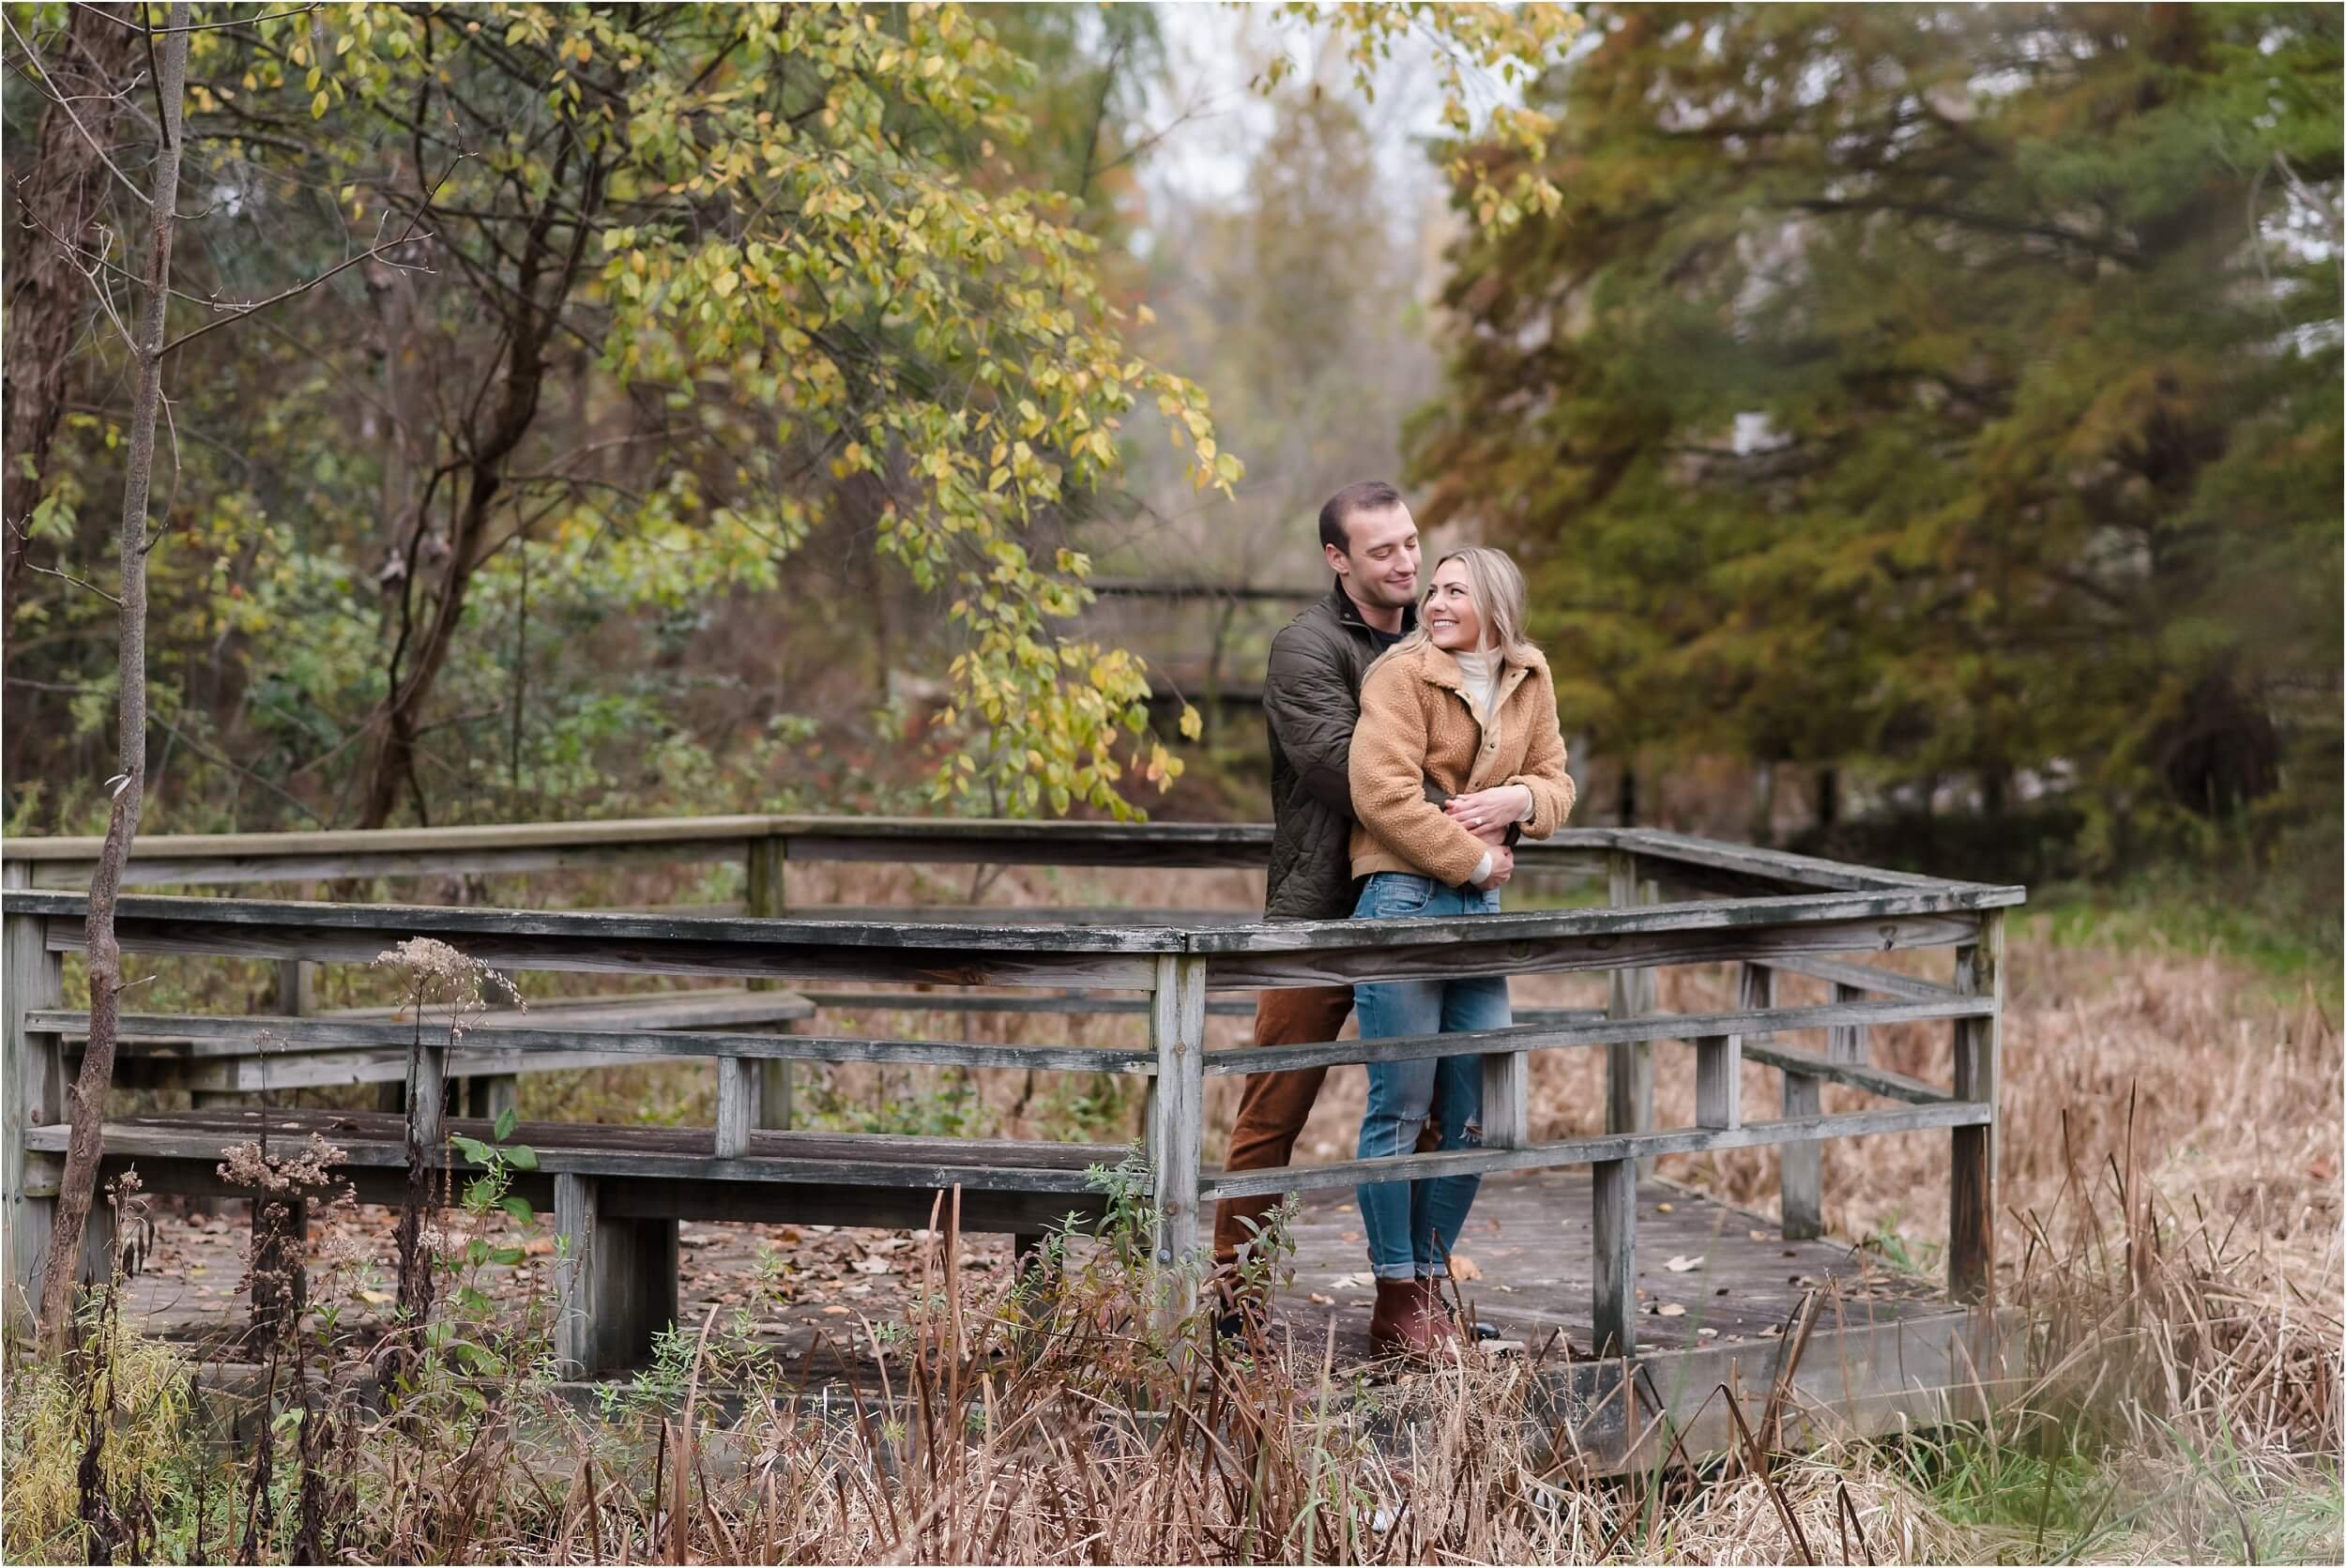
x: 1502, y: 867
x: 1488, y: 813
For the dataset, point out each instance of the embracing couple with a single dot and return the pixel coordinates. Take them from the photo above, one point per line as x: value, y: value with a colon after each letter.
x: 1413, y: 741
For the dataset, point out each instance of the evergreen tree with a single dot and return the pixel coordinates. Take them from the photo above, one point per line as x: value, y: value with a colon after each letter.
x: 1946, y: 392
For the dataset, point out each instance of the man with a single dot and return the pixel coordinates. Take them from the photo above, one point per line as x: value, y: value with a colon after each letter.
x: 1312, y: 699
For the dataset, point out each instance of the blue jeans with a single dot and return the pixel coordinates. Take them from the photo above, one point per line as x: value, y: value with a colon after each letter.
x: 1412, y: 1226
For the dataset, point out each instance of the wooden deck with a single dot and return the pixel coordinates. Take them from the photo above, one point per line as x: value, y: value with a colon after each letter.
x: 1709, y: 1274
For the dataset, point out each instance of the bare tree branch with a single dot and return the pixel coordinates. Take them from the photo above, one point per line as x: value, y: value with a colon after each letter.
x: 67, y: 576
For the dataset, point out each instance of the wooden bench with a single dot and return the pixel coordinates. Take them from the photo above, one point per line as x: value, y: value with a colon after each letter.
x: 616, y: 1193
x: 157, y: 1058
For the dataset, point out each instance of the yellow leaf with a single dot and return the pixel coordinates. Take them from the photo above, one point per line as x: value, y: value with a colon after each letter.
x: 318, y: 107
x: 1193, y: 724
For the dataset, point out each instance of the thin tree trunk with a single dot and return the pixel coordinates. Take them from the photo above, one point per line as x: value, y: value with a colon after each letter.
x: 88, y: 1110
x: 543, y: 278
x: 64, y: 182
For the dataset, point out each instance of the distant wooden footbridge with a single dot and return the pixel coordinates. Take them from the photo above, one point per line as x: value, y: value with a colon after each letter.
x: 1867, y: 1358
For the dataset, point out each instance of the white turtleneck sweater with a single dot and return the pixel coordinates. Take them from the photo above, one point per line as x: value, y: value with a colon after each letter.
x: 1482, y: 671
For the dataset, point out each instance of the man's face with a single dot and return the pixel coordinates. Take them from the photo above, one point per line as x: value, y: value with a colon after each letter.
x: 1380, y: 570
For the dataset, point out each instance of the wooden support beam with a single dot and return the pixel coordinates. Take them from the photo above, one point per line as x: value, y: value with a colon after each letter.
x: 737, y: 1105
x: 1629, y: 994
x: 1564, y: 1028
x: 1506, y: 1098
x: 768, y: 874
x: 1614, y: 1304
x: 1591, y: 1151
x: 215, y: 1036
x: 614, y: 1281
x: 1177, y: 1113
x: 1978, y: 1061
x: 32, y: 1094
x: 1719, y: 1058
x: 1718, y: 1081
x: 1799, y: 1167
x: 1856, y: 1075
x: 1865, y: 978
x: 427, y: 1093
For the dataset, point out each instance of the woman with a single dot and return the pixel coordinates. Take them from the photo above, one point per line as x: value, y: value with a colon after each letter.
x: 1463, y: 702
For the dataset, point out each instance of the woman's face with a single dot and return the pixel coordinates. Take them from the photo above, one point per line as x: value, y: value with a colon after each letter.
x: 1451, y: 618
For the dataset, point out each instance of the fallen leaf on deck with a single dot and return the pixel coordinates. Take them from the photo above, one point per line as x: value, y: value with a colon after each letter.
x: 1682, y: 1264
x: 1706, y: 1334
x: 1319, y: 1300
x: 377, y: 1298
x: 1351, y: 1281
x: 872, y: 1266
x: 1464, y: 1268
x: 1671, y: 1309
x: 1350, y: 1236
x: 1663, y: 1209
x: 834, y: 1310
x: 1759, y: 1234
x: 537, y: 1246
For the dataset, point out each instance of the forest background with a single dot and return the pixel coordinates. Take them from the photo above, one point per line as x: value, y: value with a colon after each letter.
x: 1922, y: 426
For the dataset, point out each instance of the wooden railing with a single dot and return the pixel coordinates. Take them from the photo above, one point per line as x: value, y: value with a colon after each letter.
x: 1780, y: 913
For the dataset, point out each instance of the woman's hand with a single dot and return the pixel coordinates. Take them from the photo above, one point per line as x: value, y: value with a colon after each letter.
x: 1502, y: 867
x: 1490, y: 811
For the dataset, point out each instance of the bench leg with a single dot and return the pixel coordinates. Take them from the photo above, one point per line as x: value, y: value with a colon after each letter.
x: 614, y: 1281
x: 1614, y: 1307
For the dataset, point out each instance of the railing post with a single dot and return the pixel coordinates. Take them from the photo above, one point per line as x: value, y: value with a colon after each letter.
x: 1615, y: 1303
x: 1978, y: 1062
x: 1800, y: 1166
x: 32, y: 1094
x: 737, y: 1104
x: 1719, y: 1058
x: 1506, y: 1100
x: 490, y: 1095
x: 1176, y: 1122
x: 1629, y: 994
x: 768, y: 857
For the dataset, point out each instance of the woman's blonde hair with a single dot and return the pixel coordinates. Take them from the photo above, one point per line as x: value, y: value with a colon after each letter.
x: 1496, y: 585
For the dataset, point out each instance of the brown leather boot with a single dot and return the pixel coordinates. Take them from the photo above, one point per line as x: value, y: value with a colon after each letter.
x: 1441, y: 1330
x: 1398, y: 1327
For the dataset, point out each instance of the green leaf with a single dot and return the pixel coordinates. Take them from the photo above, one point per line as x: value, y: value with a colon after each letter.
x: 506, y: 1121
x: 522, y: 1157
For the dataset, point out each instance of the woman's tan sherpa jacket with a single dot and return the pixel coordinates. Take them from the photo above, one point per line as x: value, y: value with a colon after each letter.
x: 1417, y: 724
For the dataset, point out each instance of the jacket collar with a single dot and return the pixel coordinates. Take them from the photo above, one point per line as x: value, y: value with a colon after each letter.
x: 1348, y: 613
x: 1439, y: 666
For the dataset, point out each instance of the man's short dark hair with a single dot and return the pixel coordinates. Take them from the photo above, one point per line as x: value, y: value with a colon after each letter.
x: 1367, y: 495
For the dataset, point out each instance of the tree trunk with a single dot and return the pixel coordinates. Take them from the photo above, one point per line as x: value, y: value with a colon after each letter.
x: 544, y: 277
x: 88, y: 1109
x: 64, y: 181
